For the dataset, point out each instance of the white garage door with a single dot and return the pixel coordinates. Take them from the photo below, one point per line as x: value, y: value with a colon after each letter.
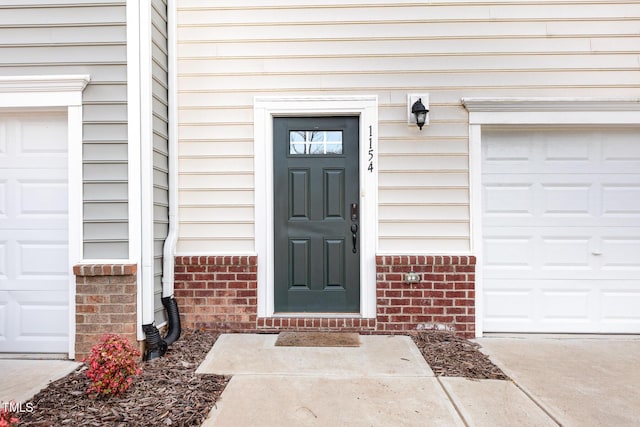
x: 34, y: 278
x: 561, y: 226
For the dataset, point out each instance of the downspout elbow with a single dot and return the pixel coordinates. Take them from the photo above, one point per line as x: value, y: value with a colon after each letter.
x: 173, y: 316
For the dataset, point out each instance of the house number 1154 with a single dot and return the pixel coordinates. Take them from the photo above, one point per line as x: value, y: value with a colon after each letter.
x: 370, y: 168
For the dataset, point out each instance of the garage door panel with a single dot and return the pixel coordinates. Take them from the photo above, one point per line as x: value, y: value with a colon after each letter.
x: 566, y: 199
x: 3, y: 199
x: 561, y: 230
x: 621, y: 200
x: 562, y: 253
x: 621, y: 305
x: 621, y: 147
x: 36, y: 322
x: 34, y: 264
x: 614, y: 198
x: 537, y: 253
x: 565, y: 304
x: 40, y: 134
x: 565, y: 252
x: 4, y: 316
x: 503, y: 253
x: 621, y: 252
x: 566, y: 222
x: 3, y: 261
x: 571, y: 151
x: 557, y: 148
x: 560, y: 306
x: 518, y: 149
x: 508, y: 304
x: 43, y: 259
x: 43, y: 198
x: 51, y: 163
x: 43, y: 313
x: 508, y: 199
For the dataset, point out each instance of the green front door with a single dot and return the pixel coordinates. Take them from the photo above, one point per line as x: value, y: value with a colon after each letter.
x: 316, y: 215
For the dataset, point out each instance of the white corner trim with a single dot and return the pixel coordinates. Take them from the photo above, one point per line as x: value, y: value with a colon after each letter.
x: 58, y: 91
x: 265, y: 109
x: 529, y: 111
x: 140, y: 161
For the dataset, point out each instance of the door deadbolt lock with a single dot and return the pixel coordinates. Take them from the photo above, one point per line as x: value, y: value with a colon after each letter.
x: 354, y: 211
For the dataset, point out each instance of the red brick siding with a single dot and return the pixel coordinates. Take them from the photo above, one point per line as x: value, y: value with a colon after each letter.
x: 105, y: 303
x: 220, y: 292
x: 443, y: 298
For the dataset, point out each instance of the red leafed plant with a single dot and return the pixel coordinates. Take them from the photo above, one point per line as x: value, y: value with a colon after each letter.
x: 112, y: 366
x: 7, y: 418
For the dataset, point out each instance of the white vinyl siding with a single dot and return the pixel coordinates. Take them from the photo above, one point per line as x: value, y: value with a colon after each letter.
x: 231, y: 51
x: 82, y: 37
x: 160, y: 147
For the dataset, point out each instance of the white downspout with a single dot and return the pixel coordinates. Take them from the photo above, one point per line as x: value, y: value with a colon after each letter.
x: 146, y: 164
x: 169, y: 249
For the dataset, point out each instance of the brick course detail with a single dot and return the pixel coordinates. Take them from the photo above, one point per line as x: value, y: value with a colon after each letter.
x: 221, y: 292
x: 444, y: 298
x: 217, y: 292
x: 105, y: 303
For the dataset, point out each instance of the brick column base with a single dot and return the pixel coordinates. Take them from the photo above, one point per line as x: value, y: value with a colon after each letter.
x: 105, y: 303
x: 442, y: 298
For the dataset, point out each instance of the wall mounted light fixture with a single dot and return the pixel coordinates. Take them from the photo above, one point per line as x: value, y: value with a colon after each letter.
x: 418, y: 109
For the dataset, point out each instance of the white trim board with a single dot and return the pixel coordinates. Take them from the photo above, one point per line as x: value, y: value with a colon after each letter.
x: 55, y: 92
x: 140, y: 152
x: 265, y: 108
x: 529, y: 111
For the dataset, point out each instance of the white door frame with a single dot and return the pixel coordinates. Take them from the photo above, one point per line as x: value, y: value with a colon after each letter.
x: 59, y: 92
x: 529, y: 111
x: 265, y: 109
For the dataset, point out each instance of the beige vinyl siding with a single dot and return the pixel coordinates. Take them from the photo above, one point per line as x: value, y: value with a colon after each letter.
x: 231, y: 51
x: 82, y: 37
x: 160, y: 146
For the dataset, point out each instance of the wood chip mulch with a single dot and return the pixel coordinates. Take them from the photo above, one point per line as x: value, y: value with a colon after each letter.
x: 452, y: 356
x: 168, y: 393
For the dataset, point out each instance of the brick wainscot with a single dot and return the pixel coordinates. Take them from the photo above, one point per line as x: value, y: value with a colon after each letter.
x: 105, y: 303
x: 221, y: 292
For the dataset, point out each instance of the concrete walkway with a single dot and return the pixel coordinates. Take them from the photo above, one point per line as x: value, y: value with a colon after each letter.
x: 23, y: 378
x: 578, y: 380
x: 384, y: 382
x: 568, y: 381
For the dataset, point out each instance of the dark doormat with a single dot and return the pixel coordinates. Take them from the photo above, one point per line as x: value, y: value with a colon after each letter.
x: 318, y: 339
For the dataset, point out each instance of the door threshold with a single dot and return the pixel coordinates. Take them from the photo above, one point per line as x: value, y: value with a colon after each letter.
x: 320, y: 315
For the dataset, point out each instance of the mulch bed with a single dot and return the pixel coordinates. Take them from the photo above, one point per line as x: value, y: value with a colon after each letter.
x: 168, y: 393
x: 452, y: 356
